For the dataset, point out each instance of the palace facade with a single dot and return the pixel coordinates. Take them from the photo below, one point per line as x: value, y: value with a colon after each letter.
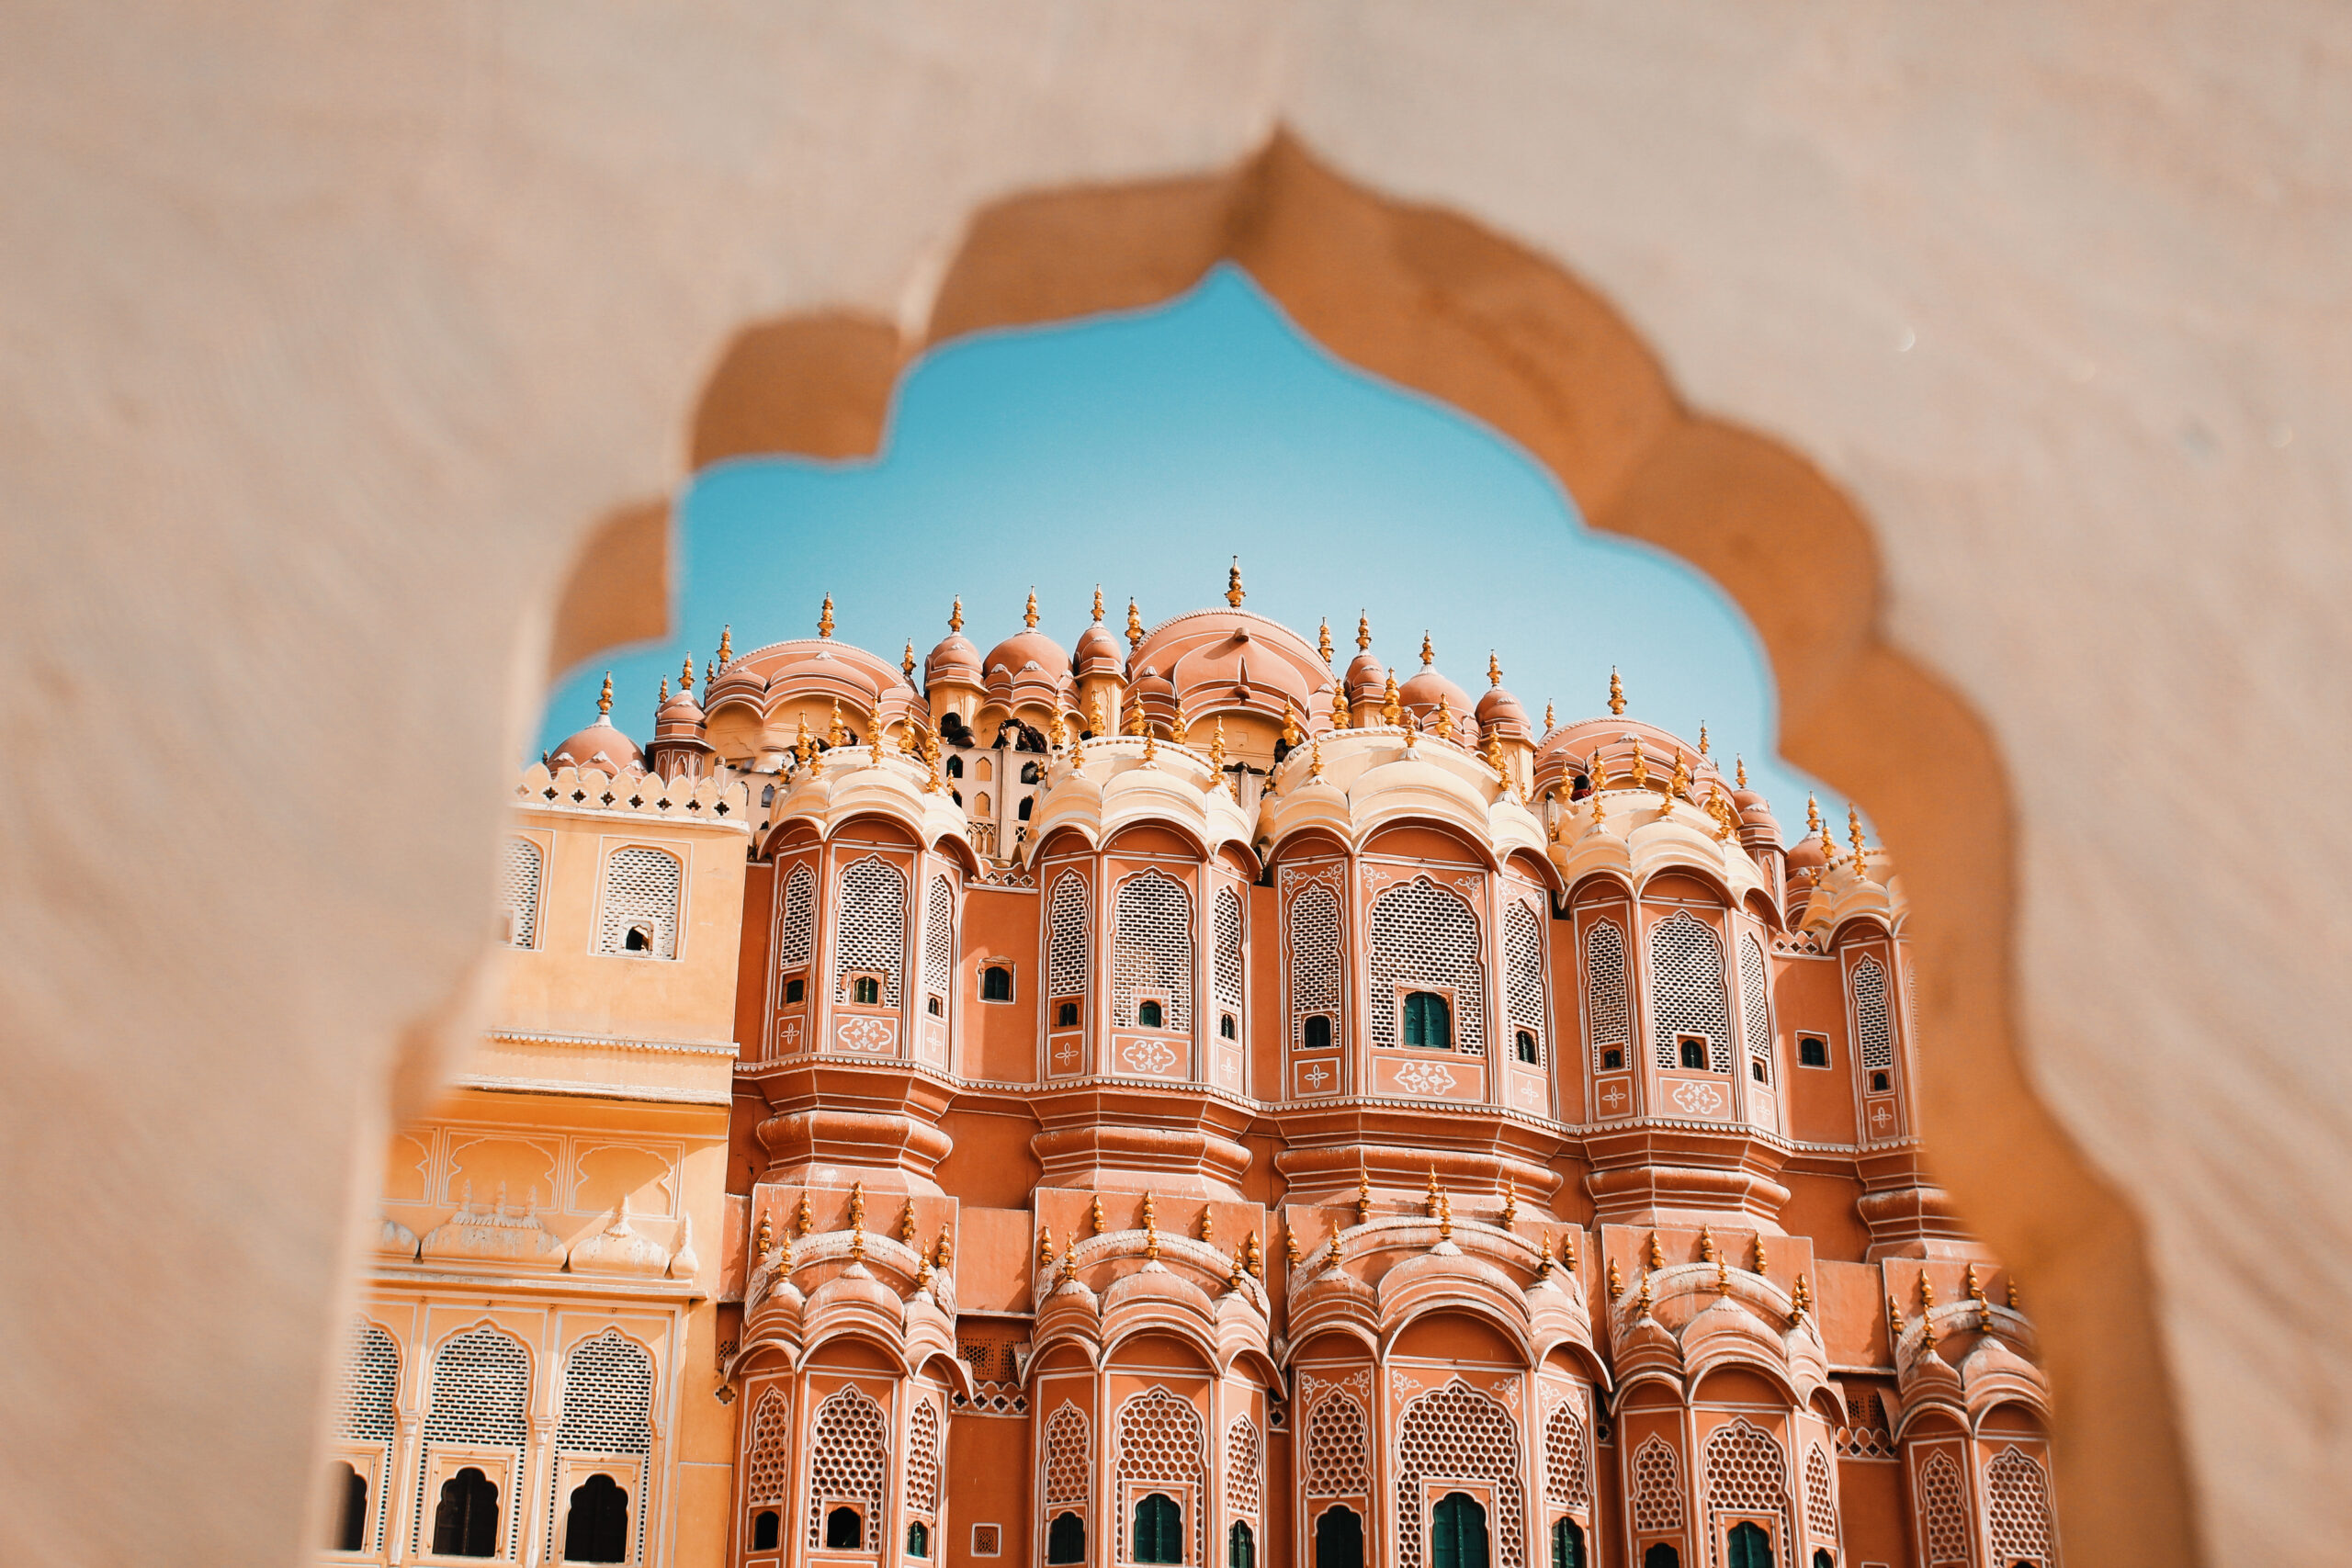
x: 1177, y: 1100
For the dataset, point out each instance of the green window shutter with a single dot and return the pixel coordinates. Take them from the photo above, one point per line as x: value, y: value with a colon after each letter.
x: 1750, y: 1547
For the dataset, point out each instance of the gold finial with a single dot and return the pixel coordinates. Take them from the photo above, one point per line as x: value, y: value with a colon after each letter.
x: 1641, y: 1303
x: 1208, y: 1224
x: 1706, y: 1245
x: 1334, y: 1256
x: 1340, y: 717
x: 1444, y: 1217
x: 686, y: 675
x: 1975, y: 1285
x: 1069, y: 1260
x: 1893, y: 1319
x: 1098, y: 604
x: 1045, y: 1247
x: 944, y: 1252
x: 1926, y: 1292
x: 1543, y: 1259
x: 1616, y: 692
x: 1100, y: 723
x: 767, y: 1236
x: 1392, y: 712
x: 1290, y: 1246
x: 825, y: 619
x: 2011, y: 1294
x: 1445, y: 720
x: 1429, y: 653
x: 802, y: 1221
x: 1094, y: 1215
x: 1315, y: 759
x: 800, y: 743
x: 1928, y: 1332
x: 1253, y: 1256
x: 662, y: 697
x: 932, y: 784
x: 1137, y: 725
x: 726, y: 645
x: 1803, y: 1297
x: 857, y: 1205
x: 1150, y: 1233
x: 1148, y: 1210
x: 1702, y: 738
x: 907, y: 1222
x: 1363, y: 631
x: 1720, y: 809
x: 955, y: 615
x: 1151, y: 742
x: 1323, y: 641
x: 1216, y: 746
x: 1494, y: 668
x: 1811, y: 816
x: 1134, y: 627
x: 907, y: 662
x: 858, y: 1245
x: 1510, y: 1204
x: 1657, y: 1253
x: 1029, y: 615
x: 1854, y: 834
x: 1290, y: 724
x: 1723, y: 1277
x: 1599, y: 812
x: 1495, y: 753
x: 1616, y: 1281
x: 1597, y: 769
x: 1568, y: 1251
x: 1678, y: 786
x: 835, y: 733
x: 1057, y: 737
x: 922, y: 1269
x: 604, y: 701
x: 1233, y: 1280
x: 1363, y: 1200
x: 1641, y: 765
x: 1828, y: 848
x: 1233, y: 595
x: 1739, y: 766
x: 783, y: 1263
x: 1763, y: 1264
x: 1429, y: 1203
x: 1548, y: 723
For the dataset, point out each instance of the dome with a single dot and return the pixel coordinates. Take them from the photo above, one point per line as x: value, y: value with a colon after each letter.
x: 1367, y: 678
x: 599, y: 745
x: 1425, y: 692
x: 954, y: 658
x: 1499, y: 709
x: 680, y: 715
x: 1098, y: 652
x: 1025, y: 648
x: 1223, y: 659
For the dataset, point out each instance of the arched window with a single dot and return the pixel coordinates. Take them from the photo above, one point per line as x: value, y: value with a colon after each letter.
x: 1425, y: 938
x: 641, y: 913
x: 1066, y: 1016
x: 938, y: 937
x: 1567, y: 1543
x: 1339, y: 1539
x: 465, y: 1522
x: 1748, y: 1546
x: 799, y: 920
x: 844, y: 1531
x: 1225, y: 944
x: 1662, y: 1555
x: 1687, y: 994
x: 521, y: 896
x: 1314, y: 955
x: 1148, y: 1014
x: 872, y: 934
x: 1029, y: 774
x: 595, y: 1527
x: 1756, y: 1007
x: 1526, y: 1042
x: 1151, y: 950
x: 849, y: 1455
x: 1604, y: 970
x: 1873, y: 1022
x: 1523, y: 977
x: 955, y: 767
x: 1066, y: 1539
x: 996, y: 983
x: 1227, y: 1028
x: 1159, y: 1528
x: 1316, y: 1035
x: 1458, y: 1532
x: 865, y: 990
x: 349, y: 1490
x: 370, y: 1374
x: 918, y: 1539
x: 1241, y: 1546
x: 767, y: 1529
x: 1028, y: 804
x: 1065, y: 936
x: 1821, y: 1559
x: 1429, y: 1022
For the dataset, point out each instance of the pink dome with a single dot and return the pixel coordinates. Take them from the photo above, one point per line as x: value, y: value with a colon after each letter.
x: 1423, y: 694
x: 1223, y: 660
x: 955, y: 659
x: 1099, y: 652
x: 1022, y: 650
x: 600, y: 746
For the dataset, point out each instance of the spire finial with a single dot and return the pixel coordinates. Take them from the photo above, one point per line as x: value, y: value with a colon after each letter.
x: 1616, y: 692
x: 1445, y: 720
x: 1094, y: 1215
x: 1029, y: 615
x: 1429, y: 651
x: 1098, y: 604
x: 835, y: 732
x: 1363, y: 631
x: 1134, y: 627
x: 1323, y: 641
x: 1854, y: 834
x: 604, y: 701
x: 726, y: 645
x: 955, y: 615
x: 686, y: 675
x: 1702, y: 738
x: 1616, y: 1281
x: 1045, y: 1247
x: 1510, y: 1204
x: 661, y: 697
x: 1364, y: 1199
x: 1314, y: 757
x: 907, y: 663
x: 1763, y: 1264
x: 1339, y: 705
x: 1975, y: 1285
x: 1392, y: 712
x: 1494, y: 668
x: 1549, y: 722
x: 1739, y: 766
x: 825, y: 619
x: 1290, y: 724
x: 1332, y: 1258
x: 1216, y: 746
x: 1233, y: 595
x: 1429, y: 1202
x: 1812, y: 814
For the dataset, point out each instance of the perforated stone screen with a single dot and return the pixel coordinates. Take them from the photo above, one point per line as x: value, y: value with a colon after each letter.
x: 938, y: 936
x: 1314, y: 952
x: 1151, y: 949
x: 1657, y: 1486
x: 520, y: 889
x: 2017, y: 1507
x: 849, y: 1453
x: 371, y: 1376
x: 608, y: 1398
x: 1523, y: 972
x: 1687, y: 994
x: 1943, y: 1504
x: 1066, y: 941
x: 1226, y: 934
x: 871, y: 923
x: 923, y: 1460
x: 1604, y: 967
x: 1422, y: 935
x: 1755, y: 1009
x: 641, y: 891
x: 799, y: 920
x: 481, y: 1379
x: 1565, y: 1474
x: 1820, y: 1499
x: 768, y: 1461
x: 1243, y: 1466
x: 1873, y: 1030
x: 1161, y: 1438
x: 1070, y: 1473
x: 1458, y: 1433
x: 1339, y: 1454
x: 1745, y: 1470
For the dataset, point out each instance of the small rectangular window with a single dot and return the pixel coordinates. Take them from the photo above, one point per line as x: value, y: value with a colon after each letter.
x: 1879, y: 1083
x: 1694, y: 1051
x: 1065, y: 1015
x: 1756, y: 1068
x: 867, y: 991
x: 1612, y: 1059
x: 794, y: 989
x: 1813, y: 1051
x: 937, y: 1011
x: 996, y: 983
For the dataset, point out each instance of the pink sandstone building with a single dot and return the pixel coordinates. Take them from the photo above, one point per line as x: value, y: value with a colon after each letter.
x: 1180, y: 1099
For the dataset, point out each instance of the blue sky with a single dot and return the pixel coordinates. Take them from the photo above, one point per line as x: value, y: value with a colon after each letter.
x: 1141, y: 451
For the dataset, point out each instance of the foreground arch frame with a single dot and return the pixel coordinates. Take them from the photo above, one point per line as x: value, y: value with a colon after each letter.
x: 1436, y: 304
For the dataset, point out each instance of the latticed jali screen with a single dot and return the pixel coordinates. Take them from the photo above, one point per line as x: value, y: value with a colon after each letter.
x: 849, y: 1453
x: 640, y: 894
x: 1687, y: 994
x: 519, y: 889
x: 1424, y: 936
x: 872, y: 930
x: 1066, y: 949
x: 1605, y: 961
x: 1151, y: 949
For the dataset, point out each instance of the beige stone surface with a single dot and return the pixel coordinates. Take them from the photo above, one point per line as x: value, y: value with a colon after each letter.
x: 332, y: 331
